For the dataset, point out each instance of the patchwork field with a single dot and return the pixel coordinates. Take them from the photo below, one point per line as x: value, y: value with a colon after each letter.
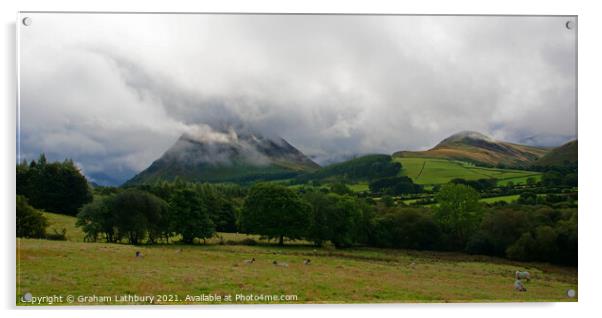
x: 428, y: 171
x: 357, y: 275
x: 505, y: 198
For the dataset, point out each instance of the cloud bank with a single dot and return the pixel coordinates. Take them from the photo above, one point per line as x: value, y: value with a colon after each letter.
x: 113, y: 92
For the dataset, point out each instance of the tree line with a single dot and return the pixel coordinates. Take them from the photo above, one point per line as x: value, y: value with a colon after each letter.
x: 159, y: 212
x: 53, y: 186
x: 460, y: 222
x: 178, y: 210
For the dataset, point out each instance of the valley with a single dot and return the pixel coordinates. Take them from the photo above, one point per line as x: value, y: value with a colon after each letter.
x: 355, y: 275
x: 374, y: 227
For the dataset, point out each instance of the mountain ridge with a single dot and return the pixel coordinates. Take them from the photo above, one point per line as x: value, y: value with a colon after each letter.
x: 226, y: 156
x: 480, y: 149
x: 564, y: 155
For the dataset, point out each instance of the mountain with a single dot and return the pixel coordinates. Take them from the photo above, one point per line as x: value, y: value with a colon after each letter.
x: 561, y: 156
x: 480, y: 149
x: 227, y: 157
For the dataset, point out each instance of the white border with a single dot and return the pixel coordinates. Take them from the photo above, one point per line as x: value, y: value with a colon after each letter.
x: 589, y: 139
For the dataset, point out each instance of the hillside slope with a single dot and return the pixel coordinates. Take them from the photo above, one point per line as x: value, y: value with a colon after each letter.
x: 429, y: 171
x: 234, y: 157
x: 362, y: 168
x: 479, y: 149
x: 561, y: 156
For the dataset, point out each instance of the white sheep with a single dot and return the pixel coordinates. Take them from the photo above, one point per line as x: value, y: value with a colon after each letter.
x: 522, y: 275
x: 250, y: 261
x: 280, y: 264
x: 518, y: 285
x: 307, y: 261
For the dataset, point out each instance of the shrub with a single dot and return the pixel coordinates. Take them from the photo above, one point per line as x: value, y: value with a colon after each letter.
x: 30, y: 222
x: 57, y: 236
x: 523, y: 248
x: 341, y: 188
x: 395, y: 186
x: 410, y: 228
x: 499, y: 229
x: 248, y: 241
x: 479, y: 185
x: 528, y: 198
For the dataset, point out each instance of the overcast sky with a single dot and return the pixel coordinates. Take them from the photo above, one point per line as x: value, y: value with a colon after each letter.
x: 113, y: 92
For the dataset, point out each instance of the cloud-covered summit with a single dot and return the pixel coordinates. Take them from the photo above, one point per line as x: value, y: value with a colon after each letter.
x: 113, y: 92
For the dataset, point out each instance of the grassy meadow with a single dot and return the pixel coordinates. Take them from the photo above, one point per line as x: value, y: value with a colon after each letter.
x: 427, y: 171
x: 358, y: 275
x: 504, y: 198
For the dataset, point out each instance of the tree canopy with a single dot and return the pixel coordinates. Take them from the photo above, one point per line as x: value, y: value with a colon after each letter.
x: 334, y: 218
x: 275, y: 211
x: 57, y: 187
x: 30, y: 222
x: 459, y: 212
x: 189, y: 215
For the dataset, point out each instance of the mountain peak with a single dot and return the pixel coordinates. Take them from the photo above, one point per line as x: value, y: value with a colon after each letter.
x: 209, y: 155
x: 478, y: 148
x: 465, y: 136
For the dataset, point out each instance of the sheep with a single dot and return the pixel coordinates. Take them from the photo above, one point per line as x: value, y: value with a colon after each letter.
x: 306, y: 261
x: 139, y: 254
x: 250, y: 261
x: 522, y: 275
x: 281, y: 264
x: 518, y: 285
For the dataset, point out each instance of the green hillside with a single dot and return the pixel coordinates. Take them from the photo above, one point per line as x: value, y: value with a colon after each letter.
x: 363, y: 168
x: 59, y: 222
x: 470, y: 146
x: 427, y: 171
x: 213, y: 173
x: 561, y: 156
x: 246, y: 157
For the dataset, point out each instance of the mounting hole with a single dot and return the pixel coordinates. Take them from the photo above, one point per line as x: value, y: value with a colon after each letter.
x: 569, y: 25
x: 26, y: 21
x: 571, y: 293
x: 27, y: 297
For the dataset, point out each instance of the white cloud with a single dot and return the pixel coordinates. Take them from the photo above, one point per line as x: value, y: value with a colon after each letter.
x: 115, y: 91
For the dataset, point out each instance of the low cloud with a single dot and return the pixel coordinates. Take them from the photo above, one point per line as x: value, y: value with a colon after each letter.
x: 114, y: 92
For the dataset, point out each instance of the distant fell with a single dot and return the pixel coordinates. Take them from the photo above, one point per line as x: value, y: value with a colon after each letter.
x: 480, y: 149
x: 227, y: 157
x: 561, y: 156
x: 363, y: 168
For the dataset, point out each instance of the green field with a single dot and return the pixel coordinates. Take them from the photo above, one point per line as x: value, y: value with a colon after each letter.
x: 505, y: 198
x: 356, y: 275
x: 59, y: 222
x: 427, y: 171
x: 359, y: 187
